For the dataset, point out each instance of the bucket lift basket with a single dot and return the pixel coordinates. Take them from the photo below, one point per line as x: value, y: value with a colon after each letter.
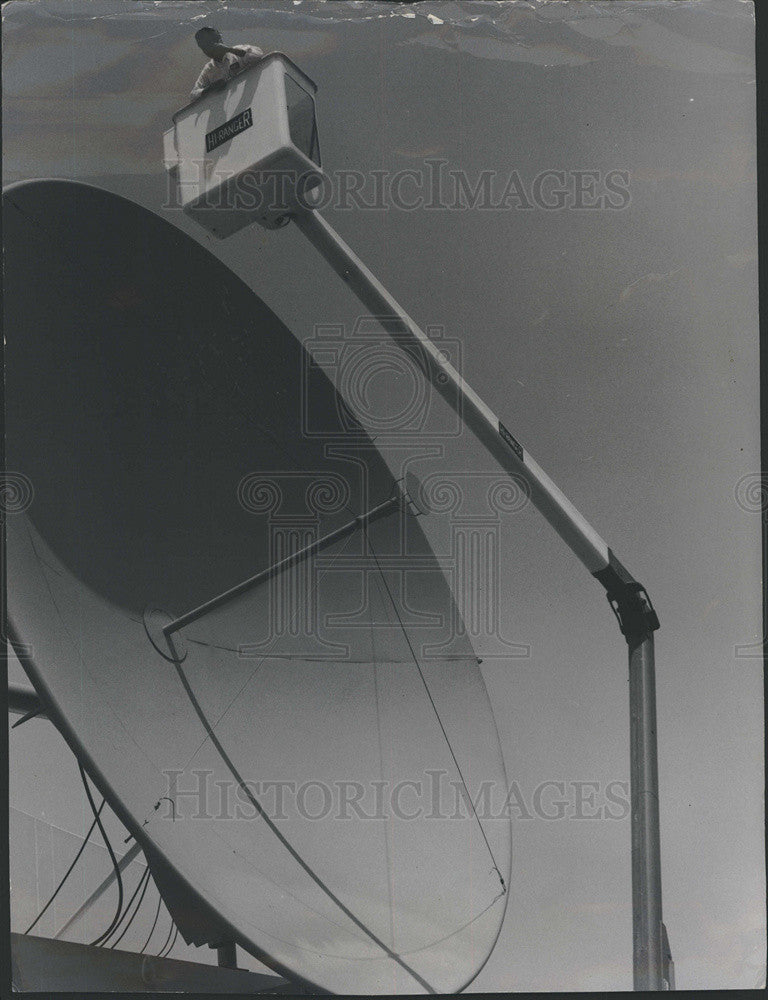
x: 247, y: 151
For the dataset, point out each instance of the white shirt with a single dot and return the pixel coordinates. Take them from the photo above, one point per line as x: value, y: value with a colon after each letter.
x: 229, y: 66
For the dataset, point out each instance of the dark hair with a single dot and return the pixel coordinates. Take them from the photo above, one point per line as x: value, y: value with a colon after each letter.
x: 206, y: 31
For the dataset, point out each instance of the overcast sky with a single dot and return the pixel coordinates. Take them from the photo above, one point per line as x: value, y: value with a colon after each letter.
x: 619, y: 345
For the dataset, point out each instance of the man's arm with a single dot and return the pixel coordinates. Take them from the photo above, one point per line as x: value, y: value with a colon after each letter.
x: 250, y: 54
x: 203, y: 82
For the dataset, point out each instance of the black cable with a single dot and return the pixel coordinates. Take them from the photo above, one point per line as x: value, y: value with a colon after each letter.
x: 143, y: 881
x: 170, y: 947
x: 170, y: 932
x: 67, y: 873
x: 115, y: 865
x: 126, y: 909
x: 154, y: 922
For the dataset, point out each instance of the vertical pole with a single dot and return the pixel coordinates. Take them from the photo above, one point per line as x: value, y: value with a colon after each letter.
x: 646, y: 845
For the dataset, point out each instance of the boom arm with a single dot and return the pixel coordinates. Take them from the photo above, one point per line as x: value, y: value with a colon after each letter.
x: 572, y: 527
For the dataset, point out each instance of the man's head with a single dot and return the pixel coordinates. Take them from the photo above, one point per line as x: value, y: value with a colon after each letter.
x: 209, y: 40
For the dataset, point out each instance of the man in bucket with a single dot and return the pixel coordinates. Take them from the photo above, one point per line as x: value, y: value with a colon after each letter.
x: 224, y: 61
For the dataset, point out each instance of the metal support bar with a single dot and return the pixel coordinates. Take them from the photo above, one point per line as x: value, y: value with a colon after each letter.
x: 638, y: 621
x: 133, y: 852
x: 631, y: 604
x: 646, y: 845
x: 23, y: 701
x: 666, y: 957
x: 226, y: 955
x: 381, y: 510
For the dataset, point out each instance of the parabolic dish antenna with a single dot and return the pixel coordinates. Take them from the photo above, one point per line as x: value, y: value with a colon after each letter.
x: 165, y: 419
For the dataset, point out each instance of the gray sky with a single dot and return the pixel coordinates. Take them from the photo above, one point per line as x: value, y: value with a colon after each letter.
x: 620, y: 346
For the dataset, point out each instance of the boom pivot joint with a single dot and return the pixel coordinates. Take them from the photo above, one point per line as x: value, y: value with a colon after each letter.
x: 633, y: 609
x: 628, y: 599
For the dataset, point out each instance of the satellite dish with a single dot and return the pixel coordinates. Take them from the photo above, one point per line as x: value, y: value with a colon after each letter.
x: 158, y: 409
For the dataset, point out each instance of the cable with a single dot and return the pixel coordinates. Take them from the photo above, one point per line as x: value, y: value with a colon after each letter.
x: 68, y: 871
x: 126, y: 911
x: 434, y: 707
x: 154, y: 922
x: 170, y: 932
x: 170, y: 948
x: 108, y: 845
x: 143, y: 881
